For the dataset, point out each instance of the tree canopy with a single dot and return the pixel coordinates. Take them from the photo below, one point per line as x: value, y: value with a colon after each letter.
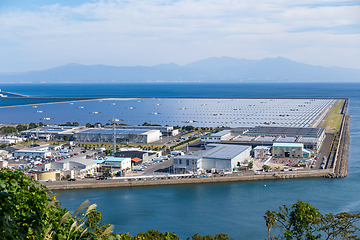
x: 303, y: 221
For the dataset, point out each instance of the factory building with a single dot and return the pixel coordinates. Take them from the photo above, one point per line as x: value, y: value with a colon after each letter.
x: 80, y: 165
x: 311, y: 138
x: 165, y: 130
x: 123, y: 136
x: 216, y: 157
x: 51, y: 132
x: 218, y: 137
x: 33, y: 152
x: 262, y: 152
x: 288, y: 150
x: 117, y: 163
x: 145, y: 156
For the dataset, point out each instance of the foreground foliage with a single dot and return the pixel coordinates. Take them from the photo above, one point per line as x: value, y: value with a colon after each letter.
x: 303, y: 221
x: 29, y: 210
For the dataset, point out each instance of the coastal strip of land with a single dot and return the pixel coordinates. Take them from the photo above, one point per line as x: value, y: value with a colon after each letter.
x: 69, y: 99
x: 93, y: 184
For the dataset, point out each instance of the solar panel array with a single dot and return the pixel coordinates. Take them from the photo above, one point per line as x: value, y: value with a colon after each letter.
x: 182, y: 111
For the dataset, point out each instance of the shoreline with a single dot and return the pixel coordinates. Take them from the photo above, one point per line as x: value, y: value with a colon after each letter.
x: 76, y: 99
x: 113, y: 183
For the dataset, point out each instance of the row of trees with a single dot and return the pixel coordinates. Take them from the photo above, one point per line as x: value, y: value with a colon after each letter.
x: 20, y: 127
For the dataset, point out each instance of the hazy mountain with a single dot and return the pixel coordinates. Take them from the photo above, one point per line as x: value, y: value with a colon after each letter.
x: 224, y: 69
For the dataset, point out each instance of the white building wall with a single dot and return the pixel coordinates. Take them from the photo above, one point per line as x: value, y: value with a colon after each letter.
x: 152, y: 136
x: 32, y: 153
x: 126, y: 163
x: 241, y: 157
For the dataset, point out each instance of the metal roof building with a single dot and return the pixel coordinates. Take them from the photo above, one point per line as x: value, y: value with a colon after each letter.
x: 311, y: 138
x: 218, y: 157
x: 122, y: 135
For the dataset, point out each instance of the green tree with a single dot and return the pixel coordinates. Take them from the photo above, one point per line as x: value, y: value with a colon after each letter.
x: 250, y: 165
x: 220, y: 236
x: 29, y: 210
x: 265, y: 167
x: 8, y: 130
x: 303, y: 221
x: 32, y: 125
x: 299, y: 221
x: 21, y: 127
x: 66, y: 138
x: 98, y: 124
x: 107, y: 172
x: 88, y: 125
x: 3, y: 145
x: 146, y: 124
x: 270, y: 220
x: 75, y: 124
x: 341, y: 225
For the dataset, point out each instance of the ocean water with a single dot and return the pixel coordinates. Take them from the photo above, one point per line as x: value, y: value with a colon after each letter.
x: 233, y: 208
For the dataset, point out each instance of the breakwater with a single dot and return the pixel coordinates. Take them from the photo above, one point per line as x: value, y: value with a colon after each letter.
x: 340, y: 152
x: 93, y: 184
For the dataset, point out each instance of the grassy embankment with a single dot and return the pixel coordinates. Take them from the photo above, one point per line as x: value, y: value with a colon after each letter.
x: 333, y: 121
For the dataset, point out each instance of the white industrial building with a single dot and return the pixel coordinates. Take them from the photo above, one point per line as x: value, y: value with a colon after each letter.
x: 33, y: 152
x: 11, y: 140
x: 122, y: 135
x: 117, y: 163
x: 165, y: 130
x: 217, y: 137
x: 262, y: 151
x: 51, y: 131
x: 3, y: 163
x: 80, y: 165
x: 311, y: 138
x: 216, y: 157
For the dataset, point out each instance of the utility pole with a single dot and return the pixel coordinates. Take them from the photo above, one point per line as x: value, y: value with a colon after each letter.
x: 114, y: 121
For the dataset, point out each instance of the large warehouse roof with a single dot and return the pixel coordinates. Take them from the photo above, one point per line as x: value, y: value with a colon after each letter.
x: 118, y: 131
x: 285, y: 131
x: 224, y: 151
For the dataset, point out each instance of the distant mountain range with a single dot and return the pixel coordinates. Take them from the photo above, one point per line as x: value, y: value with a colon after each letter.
x: 224, y: 69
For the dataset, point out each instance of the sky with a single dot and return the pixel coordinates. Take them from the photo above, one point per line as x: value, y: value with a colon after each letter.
x: 42, y: 34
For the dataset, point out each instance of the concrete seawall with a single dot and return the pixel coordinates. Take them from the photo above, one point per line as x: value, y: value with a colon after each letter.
x: 340, y: 158
x: 120, y: 183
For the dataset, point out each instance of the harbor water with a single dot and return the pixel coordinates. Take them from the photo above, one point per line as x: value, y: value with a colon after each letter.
x: 233, y: 208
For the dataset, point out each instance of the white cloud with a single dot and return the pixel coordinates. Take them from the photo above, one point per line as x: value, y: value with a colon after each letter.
x: 144, y: 32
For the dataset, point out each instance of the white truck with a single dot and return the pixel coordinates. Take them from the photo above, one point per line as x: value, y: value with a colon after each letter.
x: 138, y: 168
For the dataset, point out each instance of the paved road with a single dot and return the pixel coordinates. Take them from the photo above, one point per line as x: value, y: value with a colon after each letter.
x: 324, y: 151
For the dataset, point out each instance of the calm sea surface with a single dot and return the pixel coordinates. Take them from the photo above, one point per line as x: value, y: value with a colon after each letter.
x: 233, y: 208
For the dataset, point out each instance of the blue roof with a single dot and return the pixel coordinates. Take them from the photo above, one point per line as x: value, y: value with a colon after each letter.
x: 98, y: 161
x: 116, y: 159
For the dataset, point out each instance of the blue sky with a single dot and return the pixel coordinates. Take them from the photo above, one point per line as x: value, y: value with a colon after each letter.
x: 41, y: 34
